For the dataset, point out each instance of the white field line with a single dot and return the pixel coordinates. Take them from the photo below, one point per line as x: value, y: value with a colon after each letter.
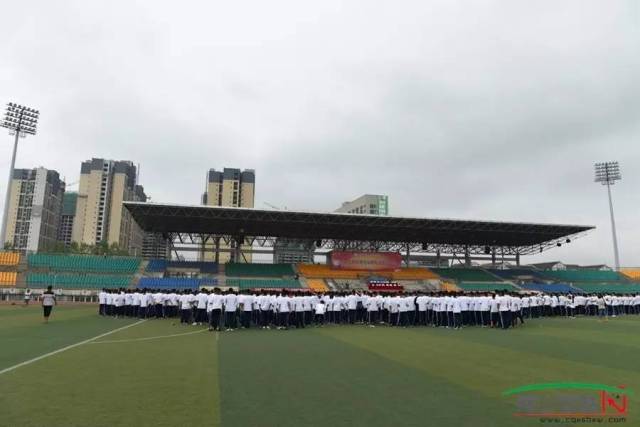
x: 35, y: 359
x: 148, y: 338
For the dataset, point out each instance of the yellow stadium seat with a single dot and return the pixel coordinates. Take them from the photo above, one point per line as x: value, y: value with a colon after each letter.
x: 448, y: 287
x: 9, y: 258
x: 317, y: 285
x: 323, y: 271
x: 8, y: 278
x: 413, y: 273
x: 631, y: 273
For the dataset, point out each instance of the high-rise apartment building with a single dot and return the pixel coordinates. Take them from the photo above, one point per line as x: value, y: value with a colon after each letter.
x: 232, y: 188
x: 34, y: 209
x: 100, y: 215
x: 67, y: 215
x: 156, y: 245
x: 367, y: 204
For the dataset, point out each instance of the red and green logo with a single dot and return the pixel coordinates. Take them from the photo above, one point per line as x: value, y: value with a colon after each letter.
x: 571, y: 401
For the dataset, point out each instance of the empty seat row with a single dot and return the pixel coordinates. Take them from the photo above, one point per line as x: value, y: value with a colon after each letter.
x: 486, y: 286
x: 174, y: 283
x: 611, y: 288
x: 323, y: 271
x: 9, y: 258
x: 77, y: 281
x: 89, y: 263
x: 465, y: 274
x: 519, y: 274
x: 551, y: 288
x: 8, y: 278
x: 584, y: 275
x: 264, y: 283
x: 632, y: 273
x: 160, y: 265
x: 258, y: 270
x: 413, y: 273
x: 317, y: 285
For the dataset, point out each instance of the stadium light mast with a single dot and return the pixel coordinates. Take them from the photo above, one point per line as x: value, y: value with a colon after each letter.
x: 21, y: 121
x: 607, y: 173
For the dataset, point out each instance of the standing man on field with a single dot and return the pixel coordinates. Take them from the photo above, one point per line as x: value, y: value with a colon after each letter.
x: 48, y: 301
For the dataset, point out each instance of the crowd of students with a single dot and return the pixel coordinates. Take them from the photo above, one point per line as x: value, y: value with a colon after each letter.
x: 229, y: 309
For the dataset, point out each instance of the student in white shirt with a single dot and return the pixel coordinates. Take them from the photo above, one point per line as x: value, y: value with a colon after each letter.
x: 158, y: 300
x: 214, y: 309
x: 485, y: 310
x: 308, y: 309
x: 109, y: 310
x: 493, y: 309
x: 372, y: 309
x: 264, y: 305
x: 230, y: 306
x: 48, y: 301
x: 128, y: 303
x: 144, y: 304
x: 172, y: 304
x: 352, y: 306
x: 201, y: 307
x: 504, y: 310
x: 118, y: 303
x: 102, y: 298
x: 246, y: 301
x: 186, y: 303
x: 516, y: 311
x: 421, y: 303
x: 320, y: 309
x: 457, y: 312
x: 298, y: 309
x: 283, y: 307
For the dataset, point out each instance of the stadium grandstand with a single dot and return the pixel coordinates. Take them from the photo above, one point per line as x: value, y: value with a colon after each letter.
x: 389, y: 251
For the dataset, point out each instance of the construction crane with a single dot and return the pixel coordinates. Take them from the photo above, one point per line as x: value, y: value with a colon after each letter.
x: 274, y: 207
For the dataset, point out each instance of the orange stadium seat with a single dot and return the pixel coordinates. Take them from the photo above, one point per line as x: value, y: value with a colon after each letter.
x: 414, y: 273
x: 317, y: 285
x: 9, y: 258
x: 8, y: 278
x: 449, y: 287
x: 631, y: 273
x: 323, y: 271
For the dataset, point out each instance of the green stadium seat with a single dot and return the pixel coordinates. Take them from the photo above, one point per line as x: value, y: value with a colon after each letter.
x: 264, y: 283
x: 85, y: 263
x: 258, y: 270
x: 77, y: 281
x: 609, y: 288
x: 486, y: 286
x: 465, y: 274
x: 585, y: 276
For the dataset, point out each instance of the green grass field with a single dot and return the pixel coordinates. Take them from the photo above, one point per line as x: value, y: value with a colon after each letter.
x: 331, y: 376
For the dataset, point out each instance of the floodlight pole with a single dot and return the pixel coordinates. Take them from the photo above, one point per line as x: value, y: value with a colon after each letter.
x: 607, y: 173
x: 616, y: 256
x: 7, y: 198
x: 23, y: 121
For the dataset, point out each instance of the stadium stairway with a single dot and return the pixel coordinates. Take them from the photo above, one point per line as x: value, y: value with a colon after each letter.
x: 139, y: 274
x: 448, y: 287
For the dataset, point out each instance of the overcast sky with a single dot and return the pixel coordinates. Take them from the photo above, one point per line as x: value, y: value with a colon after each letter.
x: 490, y: 110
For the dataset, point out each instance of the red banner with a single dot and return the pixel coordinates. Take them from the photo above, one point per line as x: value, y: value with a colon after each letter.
x: 370, y: 261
